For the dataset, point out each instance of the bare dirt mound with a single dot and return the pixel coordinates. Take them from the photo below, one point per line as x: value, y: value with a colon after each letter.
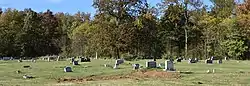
x: 137, y: 75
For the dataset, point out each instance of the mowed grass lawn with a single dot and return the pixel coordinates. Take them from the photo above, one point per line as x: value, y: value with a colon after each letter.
x: 230, y: 73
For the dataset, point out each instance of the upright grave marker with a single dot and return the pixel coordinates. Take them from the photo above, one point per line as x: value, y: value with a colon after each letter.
x: 151, y: 64
x: 169, y: 66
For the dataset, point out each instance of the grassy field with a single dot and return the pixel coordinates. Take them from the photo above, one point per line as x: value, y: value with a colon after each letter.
x: 230, y: 73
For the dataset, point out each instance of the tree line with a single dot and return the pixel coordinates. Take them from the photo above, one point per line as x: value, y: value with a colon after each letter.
x: 131, y: 29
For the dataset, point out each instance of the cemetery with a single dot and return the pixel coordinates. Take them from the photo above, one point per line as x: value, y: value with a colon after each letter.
x: 104, y: 72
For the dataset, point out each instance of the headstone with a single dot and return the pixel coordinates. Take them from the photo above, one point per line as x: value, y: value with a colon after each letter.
x: 58, y: 58
x: 96, y: 55
x: 75, y: 63
x: 116, y: 66
x: 119, y: 61
x: 151, y: 64
x: 192, y: 60
x: 169, y: 66
x: 72, y: 60
x: 196, y: 59
x: 26, y: 66
x: 84, y: 59
x: 106, y: 65
x: 225, y: 58
x: 33, y: 60
x: 6, y: 58
x: 48, y: 59
x: 20, y: 60
x: 220, y: 61
x: 209, y: 61
x: 212, y: 58
x: 68, y: 69
x: 136, y: 66
x: 178, y: 60
x: 27, y: 77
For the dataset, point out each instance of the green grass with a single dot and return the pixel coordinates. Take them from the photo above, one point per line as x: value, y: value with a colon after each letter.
x: 230, y: 73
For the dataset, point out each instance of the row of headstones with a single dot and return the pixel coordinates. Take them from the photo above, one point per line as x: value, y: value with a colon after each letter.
x: 195, y: 60
x: 169, y: 65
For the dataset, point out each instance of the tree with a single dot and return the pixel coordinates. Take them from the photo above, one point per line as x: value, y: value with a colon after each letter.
x: 30, y: 37
x: 121, y: 12
x: 10, y: 23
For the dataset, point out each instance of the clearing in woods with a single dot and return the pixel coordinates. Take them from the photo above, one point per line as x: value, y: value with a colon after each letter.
x: 94, y: 74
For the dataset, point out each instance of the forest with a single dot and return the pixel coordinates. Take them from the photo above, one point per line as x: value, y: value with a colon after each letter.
x: 131, y: 29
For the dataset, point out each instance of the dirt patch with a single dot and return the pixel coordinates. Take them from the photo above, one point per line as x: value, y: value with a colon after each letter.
x: 136, y: 75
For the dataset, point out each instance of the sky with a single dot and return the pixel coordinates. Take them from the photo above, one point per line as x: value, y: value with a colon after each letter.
x: 69, y: 6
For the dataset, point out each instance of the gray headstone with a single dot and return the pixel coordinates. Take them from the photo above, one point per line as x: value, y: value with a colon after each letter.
x: 75, y: 63
x: 209, y: 61
x: 67, y: 69
x: 136, y: 66
x: 7, y: 58
x: 169, y: 65
x: 151, y: 64
x: 119, y: 61
x: 220, y: 61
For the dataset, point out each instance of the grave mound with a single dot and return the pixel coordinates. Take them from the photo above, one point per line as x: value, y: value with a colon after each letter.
x: 136, y: 75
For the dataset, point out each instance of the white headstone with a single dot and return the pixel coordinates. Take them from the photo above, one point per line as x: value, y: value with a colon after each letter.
x: 48, y: 59
x: 151, y: 64
x: 116, y: 66
x: 96, y: 55
x: 225, y: 58
x: 67, y: 69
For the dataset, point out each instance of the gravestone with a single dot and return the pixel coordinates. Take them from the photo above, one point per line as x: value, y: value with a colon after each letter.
x: 220, y: 61
x: 209, y: 61
x: 169, y: 66
x: 225, y: 58
x: 136, y: 66
x: 33, y: 60
x: 26, y: 66
x: 58, y: 58
x: 192, y: 60
x: 7, y: 58
x: 72, y: 60
x: 178, y: 59
x: 196, y: 59
x: 84, y: 59
x: 151, y: 64
x: 116, y: 66
x: 119, y: 61
x: 48, y: 59
x: 27, y: 77
x: 68, y: 69
x: 20, y: 60
x: 75, y: 63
